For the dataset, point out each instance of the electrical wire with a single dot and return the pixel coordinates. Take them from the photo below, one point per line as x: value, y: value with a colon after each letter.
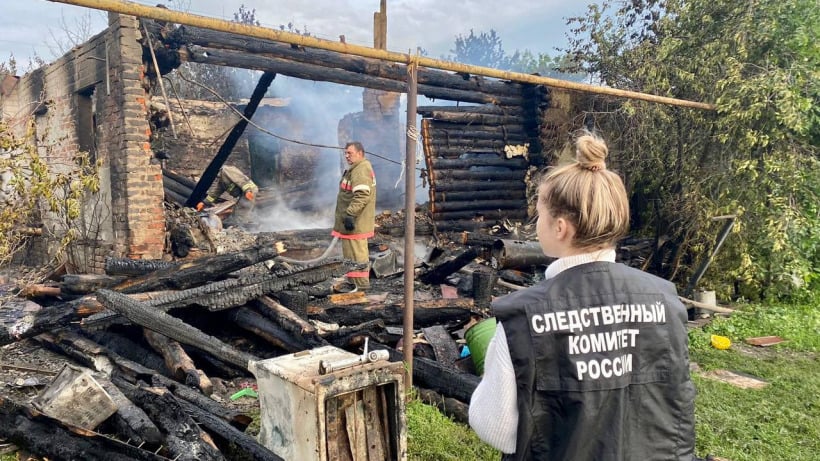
x: 270, y: 133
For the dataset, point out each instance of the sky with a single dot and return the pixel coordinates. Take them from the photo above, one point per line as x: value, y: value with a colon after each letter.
x: 39, y: 26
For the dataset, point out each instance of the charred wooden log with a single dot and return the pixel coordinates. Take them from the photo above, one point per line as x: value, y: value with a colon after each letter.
x: 87, y: 283
x: 494, y: 109
x: 519, y: 196
x: 248, y: 446
x: 199, y: 271
x: 369, y: 66
x: 482, y: 216
x: 122, y: 351
x: 96, y: 316
x: 236, y: 292
x: 174, y: 186
x: 351, y: 337
x: 183, y: 180
x: 476, y: 175
x: 487, y: 160
x: 445, y: 144
x: 231, y: 416
x: 39, y: 290
x: 476, y: 118
x: 392, y: 315
x: 178, y: 363
x: 447, y: 185
x: 184, y: 439
x: 47, y: 437
x: 518, y: 254
x: 462, y: 129
x: 464, y: 205
x: 23, y: 325
x: 467, y: 133
x: 174, y: 197
x: 172, y: 327
x: 289, y: 321
x: 439, y: 273
x: 451, y: 407
x: 132, y: 267
x: 432, y: 375
x: 336, y: 75
x: 259, y: 325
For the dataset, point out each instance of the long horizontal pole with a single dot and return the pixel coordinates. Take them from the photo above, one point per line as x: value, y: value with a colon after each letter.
x: 162, y: 14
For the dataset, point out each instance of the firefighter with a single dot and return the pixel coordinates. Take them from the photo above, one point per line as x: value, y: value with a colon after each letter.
x: 235, y: 183
x: 355, y: 216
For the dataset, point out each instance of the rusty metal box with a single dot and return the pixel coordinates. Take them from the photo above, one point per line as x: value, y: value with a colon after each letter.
x: 354, y: 413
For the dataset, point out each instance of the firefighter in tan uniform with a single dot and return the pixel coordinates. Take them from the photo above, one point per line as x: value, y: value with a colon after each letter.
x: 356, y: 214
x: 234, y: 182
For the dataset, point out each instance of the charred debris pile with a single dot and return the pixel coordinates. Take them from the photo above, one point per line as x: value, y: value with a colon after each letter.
x: 170, y: 341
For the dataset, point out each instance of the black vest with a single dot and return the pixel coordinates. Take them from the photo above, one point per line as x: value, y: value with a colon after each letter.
x: 601, y: 362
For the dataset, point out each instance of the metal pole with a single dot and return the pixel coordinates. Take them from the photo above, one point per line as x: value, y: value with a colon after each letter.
x: 410, y: 222
x: 161, y: 14
x: 727, y: 227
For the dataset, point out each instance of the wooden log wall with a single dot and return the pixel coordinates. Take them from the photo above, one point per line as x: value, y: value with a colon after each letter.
x: 477, y: 159
x: 477, y: 155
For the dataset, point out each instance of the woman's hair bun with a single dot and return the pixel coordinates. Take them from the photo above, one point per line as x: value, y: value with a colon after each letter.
x: 591, y: 152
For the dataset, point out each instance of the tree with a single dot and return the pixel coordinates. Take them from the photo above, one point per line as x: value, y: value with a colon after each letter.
x: 756, y: 155
x: 483, y: 49
x: 229, y: 83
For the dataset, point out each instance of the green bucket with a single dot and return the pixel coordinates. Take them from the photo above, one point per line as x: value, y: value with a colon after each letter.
x: 478, y: 338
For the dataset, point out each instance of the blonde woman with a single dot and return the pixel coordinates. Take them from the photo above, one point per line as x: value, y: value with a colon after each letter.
x: 593, y: 362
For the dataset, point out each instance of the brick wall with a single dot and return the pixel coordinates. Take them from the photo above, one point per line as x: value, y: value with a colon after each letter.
x: 94, y: 99
x: 136, y: 193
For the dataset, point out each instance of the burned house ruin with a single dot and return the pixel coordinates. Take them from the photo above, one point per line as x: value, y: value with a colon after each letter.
x: 478, y: 150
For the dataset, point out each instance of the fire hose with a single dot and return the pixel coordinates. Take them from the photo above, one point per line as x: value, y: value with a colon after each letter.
x: 311, y: 261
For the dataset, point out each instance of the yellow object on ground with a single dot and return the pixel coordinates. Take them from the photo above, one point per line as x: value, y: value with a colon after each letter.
x: 721, y: 342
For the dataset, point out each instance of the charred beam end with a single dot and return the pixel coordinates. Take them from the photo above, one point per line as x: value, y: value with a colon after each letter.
x: 172, y: 327
x: 131, y: 267
x: 440, y: 272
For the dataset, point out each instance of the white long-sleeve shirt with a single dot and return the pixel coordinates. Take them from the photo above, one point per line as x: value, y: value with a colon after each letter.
x: 493, y: 405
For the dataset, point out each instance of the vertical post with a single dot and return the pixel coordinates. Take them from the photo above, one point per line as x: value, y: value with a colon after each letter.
x: 410, y: 221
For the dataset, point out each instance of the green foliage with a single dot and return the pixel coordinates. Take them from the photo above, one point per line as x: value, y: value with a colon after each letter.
x: 33, y: 188
x: 483, y: 49
x: 435, y: 437
x: 755, y: 156
x: 230, y: 83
